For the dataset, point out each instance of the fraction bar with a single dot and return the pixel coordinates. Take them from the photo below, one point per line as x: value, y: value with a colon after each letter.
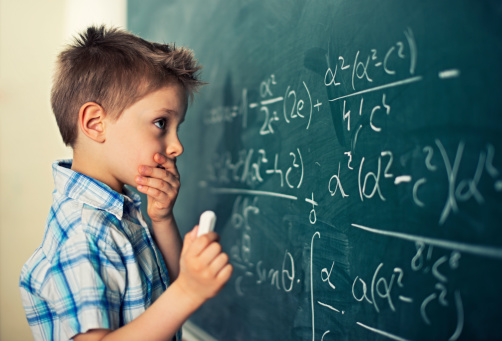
x: 251, y: 192
x: 480, y: 250
x: 390, y: 85
x: 266, y: 102
x: 272, y: 100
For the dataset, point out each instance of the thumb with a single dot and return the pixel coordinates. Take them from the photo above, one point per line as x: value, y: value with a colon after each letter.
x: 190, y: 237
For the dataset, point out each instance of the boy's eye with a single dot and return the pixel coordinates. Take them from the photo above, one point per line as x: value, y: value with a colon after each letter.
x: 161, y: 124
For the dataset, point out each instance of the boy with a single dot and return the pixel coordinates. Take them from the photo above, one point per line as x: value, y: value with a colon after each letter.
x: 101, y: 273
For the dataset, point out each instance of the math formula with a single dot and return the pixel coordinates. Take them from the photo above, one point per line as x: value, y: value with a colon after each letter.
x: 340, y: 150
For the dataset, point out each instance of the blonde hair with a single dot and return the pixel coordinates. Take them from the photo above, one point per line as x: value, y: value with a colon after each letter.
x: 114, y: 69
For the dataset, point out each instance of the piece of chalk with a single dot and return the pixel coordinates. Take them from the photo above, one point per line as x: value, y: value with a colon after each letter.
x: 207, y: 221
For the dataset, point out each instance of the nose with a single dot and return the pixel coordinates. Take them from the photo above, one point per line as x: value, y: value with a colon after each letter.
x: 174, y: 147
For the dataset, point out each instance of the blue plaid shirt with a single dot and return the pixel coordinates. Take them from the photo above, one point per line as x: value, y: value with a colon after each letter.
x: 97, y: 267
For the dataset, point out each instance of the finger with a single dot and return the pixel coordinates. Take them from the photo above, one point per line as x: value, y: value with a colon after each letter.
x: 224, y: 275
x: 202, y: 242
x: 219, y: 262
x: 194, y: 232
x: 210, y: 253
x: 159, y: 173
x: 166, y: 186
x: 168, y: 164
x: 156, y: 194
x: 189, y: 239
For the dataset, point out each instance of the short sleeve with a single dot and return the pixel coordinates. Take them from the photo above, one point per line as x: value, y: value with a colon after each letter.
x: 85, y: 286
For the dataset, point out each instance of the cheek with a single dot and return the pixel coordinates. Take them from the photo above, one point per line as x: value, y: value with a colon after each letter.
x: 133, y: 149
x: 129, y: 153
x: 145, y: 151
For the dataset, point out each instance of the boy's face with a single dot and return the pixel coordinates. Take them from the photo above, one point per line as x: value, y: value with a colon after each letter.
x: 147, y: 127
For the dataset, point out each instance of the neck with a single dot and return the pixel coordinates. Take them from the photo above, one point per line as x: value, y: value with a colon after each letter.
x: 89, y: 164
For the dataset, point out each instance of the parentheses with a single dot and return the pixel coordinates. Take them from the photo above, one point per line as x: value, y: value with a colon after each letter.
x: 460, y: 317
x: 301, y: 161
x: 284, y: 104
x: 373, y: 287
x: 354, y: 67
x: 359, y: 179
x: 413, y: 49
x: 417, y: 184
x: 310, y: 99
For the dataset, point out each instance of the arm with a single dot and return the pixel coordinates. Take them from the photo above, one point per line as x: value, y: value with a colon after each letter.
x: 204, y: 270
x: 168, y: 239
x: 200, y: 272
x: 159, y: 322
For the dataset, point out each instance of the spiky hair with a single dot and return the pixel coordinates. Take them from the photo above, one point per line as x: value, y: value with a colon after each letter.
x: 115, y: 68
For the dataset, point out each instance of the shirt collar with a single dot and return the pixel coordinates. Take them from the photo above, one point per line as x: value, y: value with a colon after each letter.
x: 90, y: 191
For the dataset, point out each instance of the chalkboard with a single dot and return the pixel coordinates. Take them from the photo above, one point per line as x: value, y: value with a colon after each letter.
x: 352, y: 151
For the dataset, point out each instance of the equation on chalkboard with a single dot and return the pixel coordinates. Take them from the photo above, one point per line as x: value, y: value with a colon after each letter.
x: 352, y: 151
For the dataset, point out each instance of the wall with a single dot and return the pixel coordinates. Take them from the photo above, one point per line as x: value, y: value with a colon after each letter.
x: 31, y: 34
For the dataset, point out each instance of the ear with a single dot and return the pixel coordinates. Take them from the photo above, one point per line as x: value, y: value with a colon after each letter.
x: 91, y: 121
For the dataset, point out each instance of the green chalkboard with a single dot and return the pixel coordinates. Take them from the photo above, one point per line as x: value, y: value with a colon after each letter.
x: 352, y: 151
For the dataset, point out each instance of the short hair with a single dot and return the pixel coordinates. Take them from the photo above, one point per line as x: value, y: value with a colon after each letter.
x: 115, y: 69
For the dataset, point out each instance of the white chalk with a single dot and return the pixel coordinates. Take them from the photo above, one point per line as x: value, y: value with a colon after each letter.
x: 207, y: 221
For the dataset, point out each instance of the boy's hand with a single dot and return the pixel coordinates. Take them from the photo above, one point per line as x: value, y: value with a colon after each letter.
x: 204, y: 268
x: 161, y: 185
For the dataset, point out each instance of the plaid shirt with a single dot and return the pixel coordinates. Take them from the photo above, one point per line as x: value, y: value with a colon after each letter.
x: 97, y: 267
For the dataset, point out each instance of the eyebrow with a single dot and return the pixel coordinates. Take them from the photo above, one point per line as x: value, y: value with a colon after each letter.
x: 169, y: 112
x: 166, y: 111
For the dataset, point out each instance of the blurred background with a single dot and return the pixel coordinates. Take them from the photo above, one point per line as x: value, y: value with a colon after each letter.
x: 32, y: 32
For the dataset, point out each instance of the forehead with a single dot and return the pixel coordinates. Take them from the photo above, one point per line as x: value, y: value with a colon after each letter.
x: 171, y: 97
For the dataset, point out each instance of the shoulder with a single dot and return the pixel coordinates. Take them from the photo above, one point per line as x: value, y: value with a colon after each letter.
x: 75, y: 233
x: 83, y: 205
x: 92, y: 241
x: 87, y: 261
x: 73, y: 225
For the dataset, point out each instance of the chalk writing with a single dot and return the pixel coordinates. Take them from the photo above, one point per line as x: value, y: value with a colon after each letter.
x: 253, y: 166
x: 366, y: 166
x: 386, y: 286
x: 365, y: 68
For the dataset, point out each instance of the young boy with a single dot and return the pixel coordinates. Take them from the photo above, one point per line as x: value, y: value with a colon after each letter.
x: 101, y: 273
